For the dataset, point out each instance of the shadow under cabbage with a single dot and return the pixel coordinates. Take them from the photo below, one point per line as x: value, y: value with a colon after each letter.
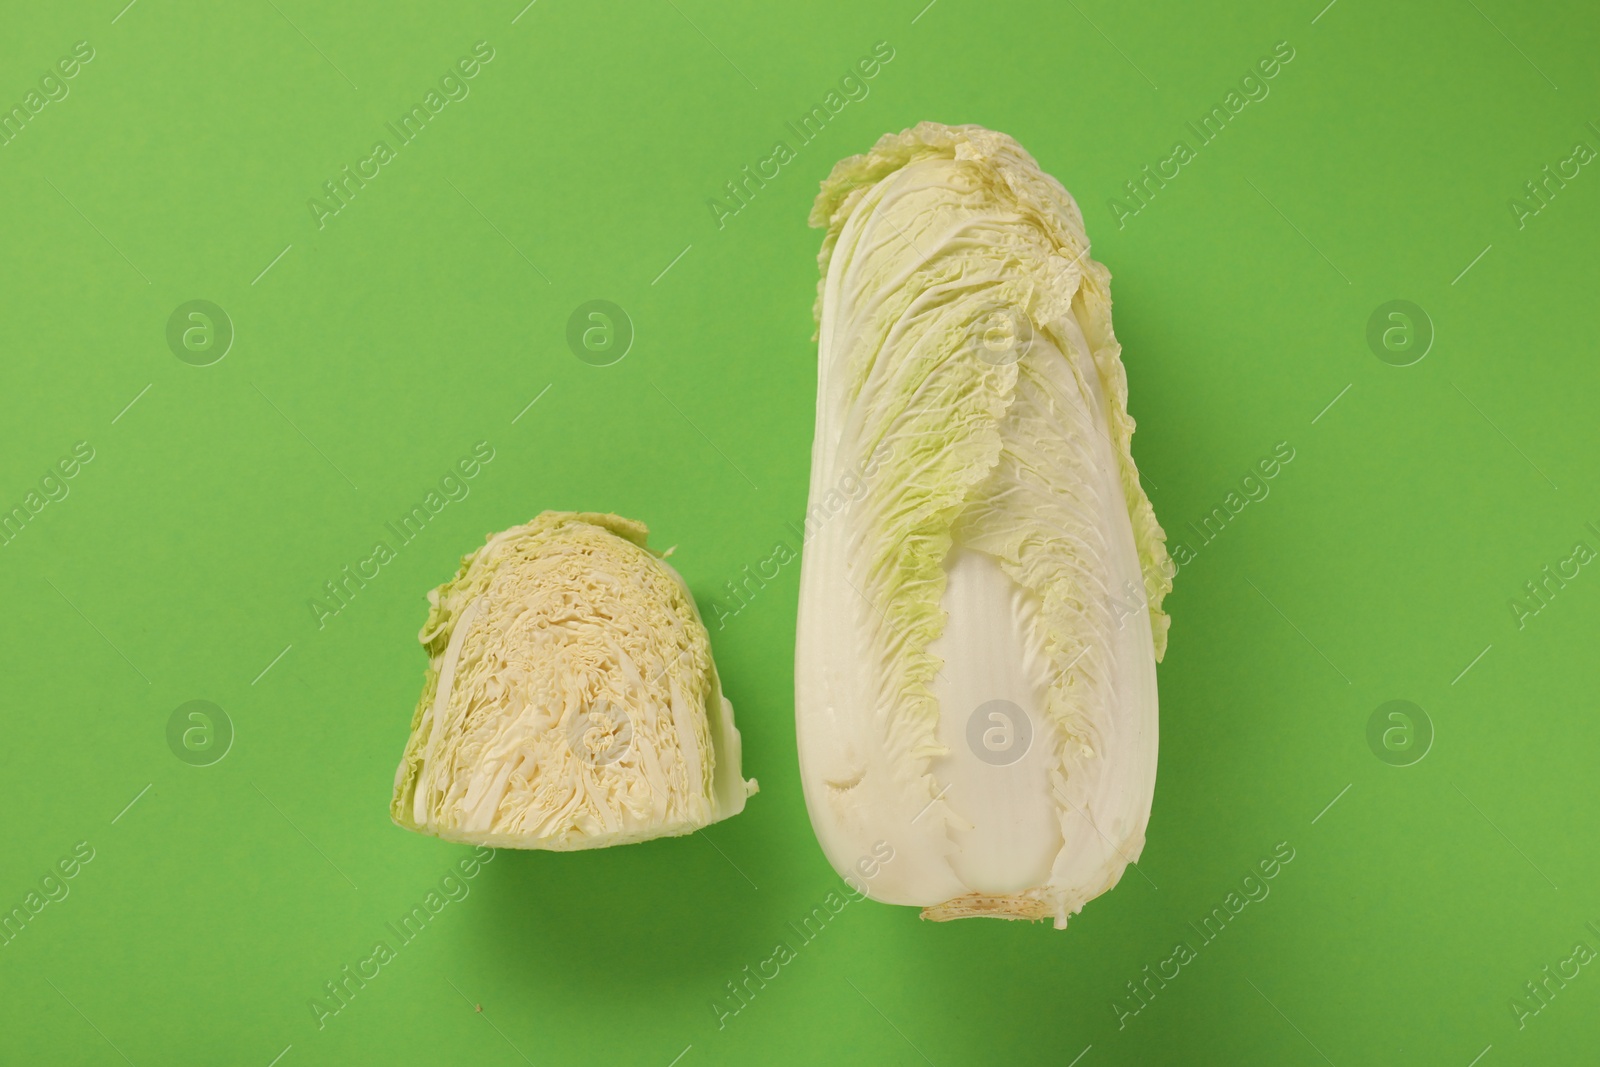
x: 645, y: 916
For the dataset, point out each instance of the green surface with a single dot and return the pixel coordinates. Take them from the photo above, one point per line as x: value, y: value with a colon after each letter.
x: 424, y: 317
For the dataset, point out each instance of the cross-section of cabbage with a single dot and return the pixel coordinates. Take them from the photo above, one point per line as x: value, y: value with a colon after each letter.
x: 570, y: 700
x: 976, y: 658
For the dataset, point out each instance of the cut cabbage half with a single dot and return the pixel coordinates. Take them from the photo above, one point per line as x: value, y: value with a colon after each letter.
x: 979, y: 630
x: 571, y: 700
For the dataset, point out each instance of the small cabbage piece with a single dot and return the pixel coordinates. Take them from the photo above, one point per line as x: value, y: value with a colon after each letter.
x: 979, y: 628
x: 570, y: 700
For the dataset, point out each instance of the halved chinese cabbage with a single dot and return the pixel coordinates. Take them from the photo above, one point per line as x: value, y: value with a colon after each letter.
x: 978, y: 634
x: 571, y: 700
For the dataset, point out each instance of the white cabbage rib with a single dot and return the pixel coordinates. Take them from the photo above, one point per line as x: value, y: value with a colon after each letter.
x: 1005, y: 550
x: 571, y: 700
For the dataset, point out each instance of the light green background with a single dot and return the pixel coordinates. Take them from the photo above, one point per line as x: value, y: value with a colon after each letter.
x: 419, y: 321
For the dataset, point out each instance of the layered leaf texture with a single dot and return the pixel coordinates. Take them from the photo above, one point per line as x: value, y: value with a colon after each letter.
x: 570, y: 700
x: 979, y: 629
